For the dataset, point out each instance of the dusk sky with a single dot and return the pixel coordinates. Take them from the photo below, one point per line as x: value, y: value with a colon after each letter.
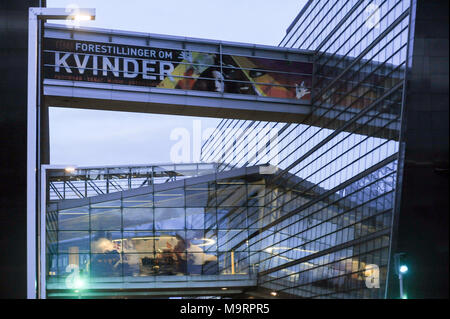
x: 87, y: 137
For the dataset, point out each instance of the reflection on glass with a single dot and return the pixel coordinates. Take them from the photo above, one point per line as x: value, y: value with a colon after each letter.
x: 169, y: 218
x: 106, y: 218
x: 199, y: 195
x: 138, y: 218
x: 67, y: 240
x: 107, y: 264
x: 170, y: 198
x: 74, y: 219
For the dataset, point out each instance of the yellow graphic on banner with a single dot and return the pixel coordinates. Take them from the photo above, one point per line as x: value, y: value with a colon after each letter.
x: 177, y: 74
x: 266, y: 89
x: 189, y: 69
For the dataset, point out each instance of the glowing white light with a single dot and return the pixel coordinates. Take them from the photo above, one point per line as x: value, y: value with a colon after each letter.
x: 78, y: 283
x: 80, y: 17
x: 70, y: 169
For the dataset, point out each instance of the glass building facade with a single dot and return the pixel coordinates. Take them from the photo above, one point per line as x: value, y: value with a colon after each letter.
x: 334, y: 242
x: 227, y: 226
x: 304, y: 208
x: 145, y: 235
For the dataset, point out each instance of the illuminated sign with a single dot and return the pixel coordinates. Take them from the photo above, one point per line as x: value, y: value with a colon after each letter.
x: 76, y: 60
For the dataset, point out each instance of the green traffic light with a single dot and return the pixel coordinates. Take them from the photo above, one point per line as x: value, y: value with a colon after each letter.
x: 403, y: 269
x: 78, y: 283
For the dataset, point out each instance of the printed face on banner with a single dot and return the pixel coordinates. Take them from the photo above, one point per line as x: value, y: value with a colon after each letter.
x: 175, y: 69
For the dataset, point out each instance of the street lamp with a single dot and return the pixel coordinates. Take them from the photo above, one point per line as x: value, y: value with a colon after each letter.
x: 35, y: 16
x: 401, y: 269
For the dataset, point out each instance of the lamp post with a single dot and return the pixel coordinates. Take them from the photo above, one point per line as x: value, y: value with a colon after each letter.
x: 35, y: 16
x: 401, y: 269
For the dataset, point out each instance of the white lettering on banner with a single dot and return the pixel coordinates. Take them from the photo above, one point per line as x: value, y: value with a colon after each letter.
x: 126, y: 73
x: 62, y: 62
x: 146, y: 68
x: 126, y: 51
x: 107, y: 64
x: 130, y: 67
x: 81, y: 66
x: 95, y: 65
x: 163, y: 70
